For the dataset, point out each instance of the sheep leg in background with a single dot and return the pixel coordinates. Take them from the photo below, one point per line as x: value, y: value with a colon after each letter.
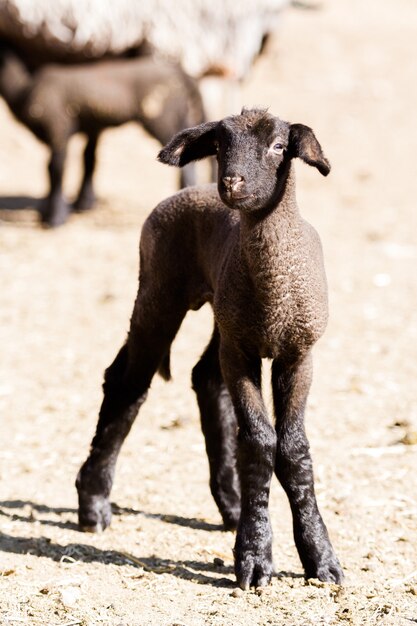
x: 163, y: 130
x: 126, y: 383
x: 214, y: 170
x: 256, y: 459
x: 86, y: 197
x: 218, y: 422
x: 55, y: 209
x: 188, y: 176
x: 294, y: 470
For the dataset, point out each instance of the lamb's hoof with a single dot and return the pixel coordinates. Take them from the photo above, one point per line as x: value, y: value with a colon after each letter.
x: 84, y: 203
x: 253, y: 556
x: 91, y: 529
x: 94, y: 514
x: 329, y: 571
x: 54, y: 218
x: 53, y: 222
x: 253, y: 570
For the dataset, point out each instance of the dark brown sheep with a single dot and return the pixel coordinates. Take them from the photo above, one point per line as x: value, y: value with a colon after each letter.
x: 58, y: 101
x: 245, y: 248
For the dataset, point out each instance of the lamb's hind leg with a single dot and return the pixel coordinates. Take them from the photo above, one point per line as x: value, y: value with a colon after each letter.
x: 125, y: 388
x: 219, y: 425
x: 294, y: 469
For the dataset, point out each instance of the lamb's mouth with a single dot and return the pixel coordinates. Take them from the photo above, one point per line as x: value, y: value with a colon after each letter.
x: 235, y: 198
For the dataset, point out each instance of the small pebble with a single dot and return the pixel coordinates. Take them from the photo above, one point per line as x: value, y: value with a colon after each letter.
x: 410, y: 438
x: 315, y: 582
x: 260, y: 591
x: 382, y: 280
x: 70, y: 597
x: 340, y: 594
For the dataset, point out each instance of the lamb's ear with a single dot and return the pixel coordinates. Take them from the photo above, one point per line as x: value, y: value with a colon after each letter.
x: 303, y: 144
x: 190, y: 145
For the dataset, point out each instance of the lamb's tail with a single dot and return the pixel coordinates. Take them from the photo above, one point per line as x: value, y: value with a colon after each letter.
x: 164, y: 368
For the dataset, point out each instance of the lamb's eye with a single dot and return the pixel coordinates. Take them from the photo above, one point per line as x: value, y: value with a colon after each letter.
x: 216, y: 146
x: 278, y: 148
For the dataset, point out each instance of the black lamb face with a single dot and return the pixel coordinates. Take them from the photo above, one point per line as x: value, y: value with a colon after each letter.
x: 251, y: 147
x: 253, y: 151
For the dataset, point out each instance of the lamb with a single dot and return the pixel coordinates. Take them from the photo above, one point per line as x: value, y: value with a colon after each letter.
x: 244, y: 248
x: 59, y: 101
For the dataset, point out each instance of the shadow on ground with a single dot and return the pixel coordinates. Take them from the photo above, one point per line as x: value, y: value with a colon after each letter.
x: 20, y: 209
x: 196, y: 571
x: 32, y: 511
x: 19, y: 203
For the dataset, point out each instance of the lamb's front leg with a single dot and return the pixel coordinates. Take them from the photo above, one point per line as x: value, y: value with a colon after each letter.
x: 256, y: 459
x: 294, y: 470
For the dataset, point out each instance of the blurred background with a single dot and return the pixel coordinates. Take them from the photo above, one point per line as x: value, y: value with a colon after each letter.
x: 347, y: 69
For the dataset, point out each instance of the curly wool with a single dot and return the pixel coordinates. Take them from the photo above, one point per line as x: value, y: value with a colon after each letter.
x: 223, y: 35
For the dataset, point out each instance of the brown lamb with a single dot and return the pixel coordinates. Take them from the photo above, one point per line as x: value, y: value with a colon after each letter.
x: 57, y: 101
x: 244, y: 247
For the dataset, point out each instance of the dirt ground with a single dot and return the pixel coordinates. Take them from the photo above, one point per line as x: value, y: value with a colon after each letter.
x: 347, y: 70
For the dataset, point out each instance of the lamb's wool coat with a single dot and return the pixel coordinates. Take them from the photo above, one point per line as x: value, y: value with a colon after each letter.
x: 245, y: 248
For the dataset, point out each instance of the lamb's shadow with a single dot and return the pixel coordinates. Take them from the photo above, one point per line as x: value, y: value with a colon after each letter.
x: 190, y: 522
x: 196, y: 571
x: 19, y: 203
x: 13, y: 208
x: 32, y: 511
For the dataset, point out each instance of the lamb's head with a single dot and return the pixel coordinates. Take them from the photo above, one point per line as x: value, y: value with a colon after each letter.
x: 253, y: 151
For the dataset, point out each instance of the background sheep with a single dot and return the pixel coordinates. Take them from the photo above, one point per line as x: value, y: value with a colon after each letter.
x: 219, y: 40
x: 222, y: 36
x: 59, y: 101
x: 251, y: 255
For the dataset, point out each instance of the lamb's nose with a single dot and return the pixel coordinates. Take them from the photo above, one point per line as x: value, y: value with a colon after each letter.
x: 232, y: 183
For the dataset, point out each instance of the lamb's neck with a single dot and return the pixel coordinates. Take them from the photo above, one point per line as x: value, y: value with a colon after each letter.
x: 14, y: 80
x: 268, y: 242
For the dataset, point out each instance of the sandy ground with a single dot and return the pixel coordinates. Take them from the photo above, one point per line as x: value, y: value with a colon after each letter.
x: 348, y: 71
